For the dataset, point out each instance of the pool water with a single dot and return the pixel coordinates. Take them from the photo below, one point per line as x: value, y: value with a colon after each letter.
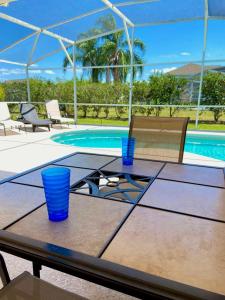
x: 207, y: 145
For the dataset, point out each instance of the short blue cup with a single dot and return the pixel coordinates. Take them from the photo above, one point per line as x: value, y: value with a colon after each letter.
x: 128, y: 146
x: 56, y: 183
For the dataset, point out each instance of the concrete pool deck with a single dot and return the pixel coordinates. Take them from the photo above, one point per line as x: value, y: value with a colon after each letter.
x: 20, y: 152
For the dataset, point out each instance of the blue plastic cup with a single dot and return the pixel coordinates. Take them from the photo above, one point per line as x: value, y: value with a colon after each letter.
x: 128, y: 146
x: 56, y: 183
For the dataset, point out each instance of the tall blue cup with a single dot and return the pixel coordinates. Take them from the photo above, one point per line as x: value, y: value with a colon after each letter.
x: 128, y: 147
x: 56, y: 183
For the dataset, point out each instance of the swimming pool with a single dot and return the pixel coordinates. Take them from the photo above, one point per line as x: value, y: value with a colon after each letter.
x: 207, y: 145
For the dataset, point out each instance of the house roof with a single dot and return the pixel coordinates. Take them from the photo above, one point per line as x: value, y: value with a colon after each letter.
x: 192, y: 69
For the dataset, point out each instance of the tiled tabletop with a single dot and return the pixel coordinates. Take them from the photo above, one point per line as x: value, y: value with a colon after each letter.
x: 90, y: 224
x: 17, y: 200
x: 194, y: 174
x: 208, y: 202
x: 181, y: 248
x: 86, y: 161
x: 140, y: 167
x: 175, y: 230
x: 34, y: 178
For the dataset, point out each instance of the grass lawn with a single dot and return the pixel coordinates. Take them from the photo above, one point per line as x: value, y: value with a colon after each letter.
x: 105, y: 122
x: 113, y: 121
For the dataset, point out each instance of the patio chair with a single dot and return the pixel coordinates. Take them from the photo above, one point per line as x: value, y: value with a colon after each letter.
x: 27, y: 286
x: 30, y: 116
x: 159, y: 138
x: 53, y: 111
x: 5, y: 119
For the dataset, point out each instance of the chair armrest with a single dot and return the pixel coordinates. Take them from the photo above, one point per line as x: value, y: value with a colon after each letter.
x: 99, y: 271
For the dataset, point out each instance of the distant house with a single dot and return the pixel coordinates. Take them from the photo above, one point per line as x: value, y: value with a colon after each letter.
x: 194, y: 70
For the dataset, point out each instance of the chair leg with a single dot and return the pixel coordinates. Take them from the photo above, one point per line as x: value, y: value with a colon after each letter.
x: 4, y: 130
x: 34, y: 128
x: 4, y: 275
x: 36, y: 269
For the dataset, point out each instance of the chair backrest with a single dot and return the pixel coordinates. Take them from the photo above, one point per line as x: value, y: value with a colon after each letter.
x: 52, y: 107
x: 28, y: 112
x: 4, y: 111
x: 159, y: 138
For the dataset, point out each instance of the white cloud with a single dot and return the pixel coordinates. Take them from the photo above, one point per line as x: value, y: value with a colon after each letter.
x: 50, y: 72
x: 16, y: 71
x: 185, y: 53
x: 168, y: 55
x: 35, y: 71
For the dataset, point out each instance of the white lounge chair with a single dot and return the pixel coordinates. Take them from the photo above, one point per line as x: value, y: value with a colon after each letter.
x: 53, y: 111
x: 5, y: 119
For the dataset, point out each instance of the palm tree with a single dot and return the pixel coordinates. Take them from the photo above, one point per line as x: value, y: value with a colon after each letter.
x: 111, y: 50
x: 115, y: 51
x: 88, y: 54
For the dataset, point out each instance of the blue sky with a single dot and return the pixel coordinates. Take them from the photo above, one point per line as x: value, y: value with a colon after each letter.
x: 164, y: 44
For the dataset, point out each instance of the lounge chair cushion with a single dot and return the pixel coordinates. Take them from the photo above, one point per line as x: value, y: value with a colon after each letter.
x: 30, y: 115
x: 52, y: 107
x: 26, y: 287
x: 4, y: 111
x: 11, y: 123
x: 62, y: 119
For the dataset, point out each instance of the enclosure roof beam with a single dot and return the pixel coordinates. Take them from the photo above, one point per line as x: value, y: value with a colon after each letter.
x: 66, y: 52
x: 168, y: 21
x: 128, y: 3
x: 128, y: 38
x: 95, y: 11
x: 98, y: 35
x: 35, y: 28
x: 118, y: 12
x: 12, y: 62
x: 33, y: 48
x: 76, y: 43
x: 17, y: 42
x: 91, y: 12
x: 47, y: 55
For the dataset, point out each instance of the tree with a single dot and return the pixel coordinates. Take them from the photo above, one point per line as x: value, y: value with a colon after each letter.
x: 115, y: 51
x: 88, y: 54
x: 2, y: 93
x: 213, y: 92
x: 165, y: 89
x: 111, y: 50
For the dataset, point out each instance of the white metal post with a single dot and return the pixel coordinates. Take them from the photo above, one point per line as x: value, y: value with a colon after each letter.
x: 74, y: 84
x: 131, y: 76
x: 28, y: 84
x: 203, y: 61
